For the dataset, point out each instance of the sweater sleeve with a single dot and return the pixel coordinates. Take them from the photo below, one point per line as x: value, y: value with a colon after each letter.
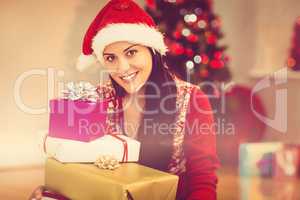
x: 200, y: 149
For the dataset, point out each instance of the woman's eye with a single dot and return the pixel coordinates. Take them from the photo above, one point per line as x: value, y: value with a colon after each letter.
x: 110, y: 58
x: 131, y: 53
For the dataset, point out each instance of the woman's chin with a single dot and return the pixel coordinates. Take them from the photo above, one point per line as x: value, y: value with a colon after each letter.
x: 132, y: 89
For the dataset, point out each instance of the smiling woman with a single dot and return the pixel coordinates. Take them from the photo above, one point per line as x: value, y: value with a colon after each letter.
x: 157, y: 107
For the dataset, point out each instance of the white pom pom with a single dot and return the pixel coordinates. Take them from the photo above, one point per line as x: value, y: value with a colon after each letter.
x: 85, y: 61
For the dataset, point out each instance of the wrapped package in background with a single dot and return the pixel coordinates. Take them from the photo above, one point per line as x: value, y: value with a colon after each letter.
x: 269, y: 171
x: 256, y: 159
x: 269, y: 159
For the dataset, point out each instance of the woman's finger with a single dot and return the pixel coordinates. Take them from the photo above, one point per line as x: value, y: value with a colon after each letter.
x: 37, y: 193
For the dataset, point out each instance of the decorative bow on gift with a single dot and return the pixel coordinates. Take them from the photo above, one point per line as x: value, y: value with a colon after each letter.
x: 82, y: 90
x: 107, y: 162
x: 110, y: 162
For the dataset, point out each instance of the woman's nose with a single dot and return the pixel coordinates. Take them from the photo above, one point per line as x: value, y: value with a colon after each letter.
x: 124, y: 65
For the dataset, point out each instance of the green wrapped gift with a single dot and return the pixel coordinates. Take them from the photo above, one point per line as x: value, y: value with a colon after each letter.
x: 129, y: 181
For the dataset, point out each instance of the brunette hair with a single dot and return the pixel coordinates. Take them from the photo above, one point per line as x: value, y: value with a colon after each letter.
x: 156, y: 145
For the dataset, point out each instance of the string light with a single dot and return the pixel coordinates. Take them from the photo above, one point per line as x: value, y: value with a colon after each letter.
x: 197, y: 59
x: 291, y: 62
x: 186, y: 32
x: 190, y: 65
x: 204, y: 73
x: 190, y: 18
x: 216, y: 23
x: 186, y: 18
x: 202, y: 24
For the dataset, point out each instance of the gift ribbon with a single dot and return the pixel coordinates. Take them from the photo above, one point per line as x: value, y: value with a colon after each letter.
x: 54, y: 195
x: 125, y: 145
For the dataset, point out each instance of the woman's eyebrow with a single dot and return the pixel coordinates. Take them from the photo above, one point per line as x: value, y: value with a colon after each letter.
x: 130, y: 47
x: 110, y: 54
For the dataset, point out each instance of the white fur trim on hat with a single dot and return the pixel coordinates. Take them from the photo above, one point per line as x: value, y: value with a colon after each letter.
x: 135, y: 33
x: 85, y: 61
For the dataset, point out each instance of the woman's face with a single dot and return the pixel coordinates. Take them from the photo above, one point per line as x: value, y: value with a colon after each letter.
x: 128, y: 64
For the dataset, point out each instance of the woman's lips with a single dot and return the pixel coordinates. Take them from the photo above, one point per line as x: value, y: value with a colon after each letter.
x: 129, y: 77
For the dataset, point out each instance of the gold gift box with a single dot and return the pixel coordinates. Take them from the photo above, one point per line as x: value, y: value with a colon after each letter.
x: 130, y: 181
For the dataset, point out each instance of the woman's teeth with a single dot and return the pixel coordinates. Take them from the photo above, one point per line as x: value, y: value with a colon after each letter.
x: 129, y: 77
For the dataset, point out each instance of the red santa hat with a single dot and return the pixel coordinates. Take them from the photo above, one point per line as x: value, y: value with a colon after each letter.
x: 119, y: 20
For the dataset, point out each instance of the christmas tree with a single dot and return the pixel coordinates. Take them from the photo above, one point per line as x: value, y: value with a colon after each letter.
x: 293, y: 61
x: 192, y: 31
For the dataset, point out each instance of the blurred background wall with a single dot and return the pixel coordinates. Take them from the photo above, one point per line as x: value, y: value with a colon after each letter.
x: 38, y: 35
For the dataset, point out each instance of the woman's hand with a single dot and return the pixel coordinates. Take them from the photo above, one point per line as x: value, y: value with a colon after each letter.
x: 37, y: 194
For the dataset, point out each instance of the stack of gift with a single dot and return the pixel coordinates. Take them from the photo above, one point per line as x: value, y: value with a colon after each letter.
x: 78, y: 130
x: 94, y: 162
x: 271, y: 159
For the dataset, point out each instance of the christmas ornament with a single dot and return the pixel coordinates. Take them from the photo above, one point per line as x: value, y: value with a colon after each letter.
x: 177, y: 49
x: 189, y: 52
x: 203, y: 73
x: 192, y: 38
